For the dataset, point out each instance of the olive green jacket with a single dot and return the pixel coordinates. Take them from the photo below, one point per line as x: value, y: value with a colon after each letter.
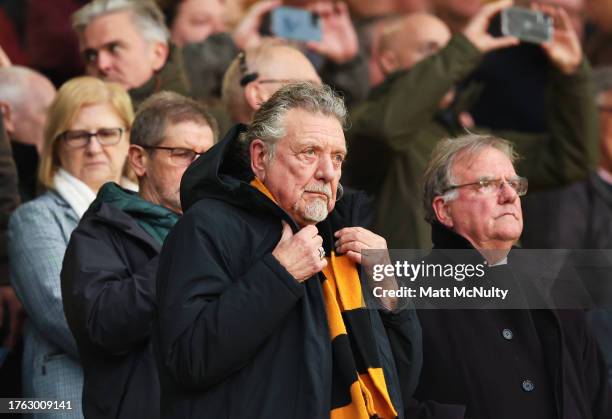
x: 170, y: 77
x: 395, y: 130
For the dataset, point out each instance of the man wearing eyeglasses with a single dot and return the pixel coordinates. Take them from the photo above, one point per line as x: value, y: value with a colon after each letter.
x: 108, y: 275
x: 499, y: 359
x: 258, y: 72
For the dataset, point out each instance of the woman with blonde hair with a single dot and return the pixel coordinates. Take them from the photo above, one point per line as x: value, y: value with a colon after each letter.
x: 86, y: 143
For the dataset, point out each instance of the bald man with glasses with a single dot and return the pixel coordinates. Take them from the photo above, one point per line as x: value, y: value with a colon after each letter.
x: 256, y: 74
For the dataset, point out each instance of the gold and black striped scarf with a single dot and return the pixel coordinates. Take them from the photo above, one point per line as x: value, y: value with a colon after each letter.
x: 359, y: 390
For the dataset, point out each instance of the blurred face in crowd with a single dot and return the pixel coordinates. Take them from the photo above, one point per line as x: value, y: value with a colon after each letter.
x: 288, y: 65
x: 305, y: 169
x: 25, y: 121
x: 114, y: 50
x: 414, y: 38
x: 84, y: 156
x: 160, y: 170
x: 605, y: 118
x: 489, y: 217
x: 196, y: 20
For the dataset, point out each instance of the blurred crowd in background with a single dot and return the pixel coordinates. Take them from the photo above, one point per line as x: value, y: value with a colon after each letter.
x: 411, y: 72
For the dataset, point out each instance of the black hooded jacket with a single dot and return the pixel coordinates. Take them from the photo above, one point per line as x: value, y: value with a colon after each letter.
x: 238, y: 336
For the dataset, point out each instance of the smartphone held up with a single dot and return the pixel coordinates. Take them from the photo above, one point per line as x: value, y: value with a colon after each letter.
x: 292, y: 23
x: 527, y: 25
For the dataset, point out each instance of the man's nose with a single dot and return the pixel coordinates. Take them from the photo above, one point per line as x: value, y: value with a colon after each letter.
x: 104, y: 62
x: 507, y: 193
x: 325, y: 169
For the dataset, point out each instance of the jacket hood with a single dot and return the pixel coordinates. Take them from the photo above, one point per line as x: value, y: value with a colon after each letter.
x: 223, y: 173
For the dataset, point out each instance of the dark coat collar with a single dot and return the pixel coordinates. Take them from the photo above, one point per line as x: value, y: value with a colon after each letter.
x: 444, y: 238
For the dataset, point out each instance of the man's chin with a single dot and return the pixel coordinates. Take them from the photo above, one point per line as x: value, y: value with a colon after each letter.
x: 510, y: 234
x: 315, y: 211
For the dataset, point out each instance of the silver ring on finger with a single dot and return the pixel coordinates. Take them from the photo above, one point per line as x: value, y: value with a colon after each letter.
x: 321, y: 252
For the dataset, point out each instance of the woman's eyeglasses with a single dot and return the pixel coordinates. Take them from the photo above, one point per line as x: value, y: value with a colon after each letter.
x: 82, y: 138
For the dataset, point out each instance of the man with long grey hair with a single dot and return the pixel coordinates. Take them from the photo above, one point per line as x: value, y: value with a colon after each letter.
x: 127, y: 42
x: 259, y: 280
x: 544, y: 362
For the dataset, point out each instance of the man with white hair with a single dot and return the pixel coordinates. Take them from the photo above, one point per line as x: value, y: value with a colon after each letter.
x: 127, y: 42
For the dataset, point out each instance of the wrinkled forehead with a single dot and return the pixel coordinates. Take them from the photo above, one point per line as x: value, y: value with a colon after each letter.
x: 303, y: 128
x: 485, y: 163
x: 104, y: 27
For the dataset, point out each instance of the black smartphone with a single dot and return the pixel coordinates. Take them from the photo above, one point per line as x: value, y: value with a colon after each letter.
x: 292, y: 23
x: 527, y: 25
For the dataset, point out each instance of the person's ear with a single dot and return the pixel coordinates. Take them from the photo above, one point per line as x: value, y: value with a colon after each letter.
x: 389, y: 61
x: 254, y: 96
x: 7, y: 116
x: 138, y: 160
x: 159, y: 55
x: 443, y: 211
x: 259, y: 158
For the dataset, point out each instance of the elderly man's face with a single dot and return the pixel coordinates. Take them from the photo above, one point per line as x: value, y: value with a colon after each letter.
x: 304, y: 173
x: 488, y: 220
x: 114, y: 50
